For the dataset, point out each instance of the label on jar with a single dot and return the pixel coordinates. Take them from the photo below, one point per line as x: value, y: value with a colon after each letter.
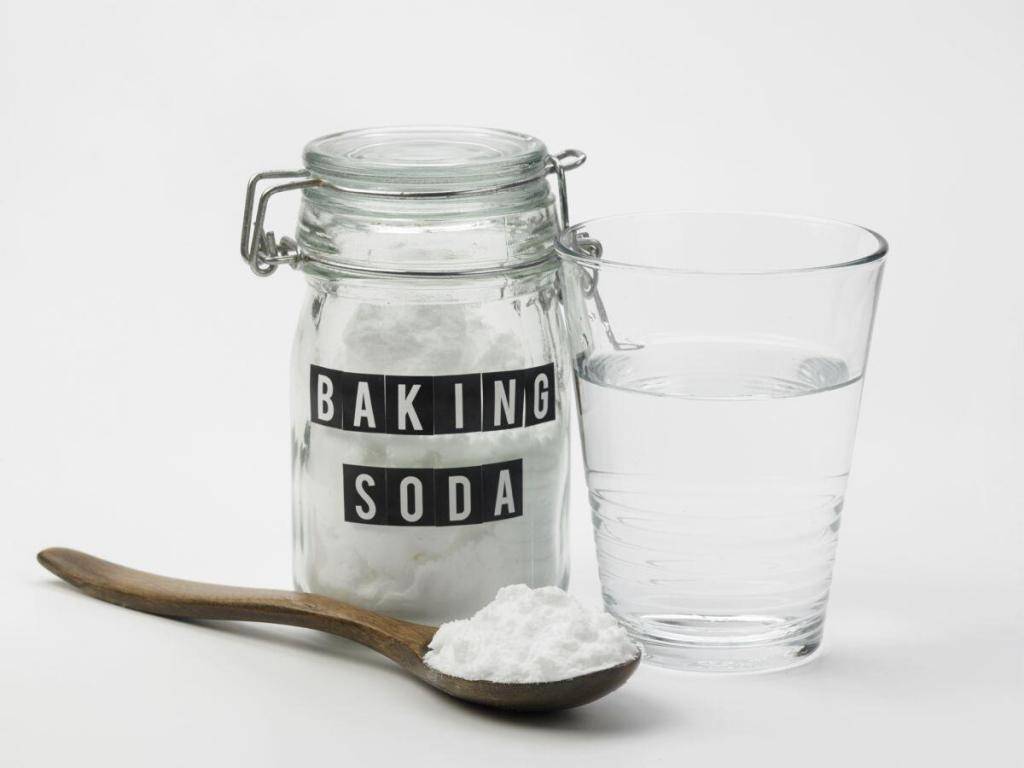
x: 431, y: 405
x: 433, y: 497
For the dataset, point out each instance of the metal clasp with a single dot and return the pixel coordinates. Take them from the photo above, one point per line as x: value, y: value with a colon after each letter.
x: 566, y: 160
x: 263, y: 253
x: 260, y: 250
x: 592, y: 246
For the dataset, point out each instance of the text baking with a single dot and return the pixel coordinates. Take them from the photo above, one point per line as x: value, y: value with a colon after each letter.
x: 431, y: 405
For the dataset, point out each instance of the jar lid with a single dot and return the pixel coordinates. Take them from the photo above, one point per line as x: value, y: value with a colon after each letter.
x: 425, y: 159
x: 451, y: 177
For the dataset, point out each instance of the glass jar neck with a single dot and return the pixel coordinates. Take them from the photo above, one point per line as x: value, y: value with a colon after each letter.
x: 487, y: 230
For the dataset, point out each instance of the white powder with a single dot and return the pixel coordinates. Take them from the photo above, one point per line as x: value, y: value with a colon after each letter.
x: 426, y: 574
x: 530, y: 636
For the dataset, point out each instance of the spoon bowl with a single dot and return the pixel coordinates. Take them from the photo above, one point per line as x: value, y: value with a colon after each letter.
x: 403, y: 642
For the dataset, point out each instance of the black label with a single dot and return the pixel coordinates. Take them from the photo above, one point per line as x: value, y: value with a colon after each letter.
x: 504, y: 401
x: 433, y: 497
x: 459, y: 496
x: 539, y: 391
x: 362, y: 402
x: 324, y: 396
x: 365, y: 494
x: 431, y: 405
x: 410, y: 496
x: 456, y: 404
x: 409, y: 405
x: 502, y: 490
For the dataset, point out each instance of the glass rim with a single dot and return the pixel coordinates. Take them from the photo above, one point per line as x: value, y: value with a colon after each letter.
x: 567, y: 249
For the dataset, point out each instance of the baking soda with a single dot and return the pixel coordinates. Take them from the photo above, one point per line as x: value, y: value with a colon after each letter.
x: 530, y: 636
x: 427, y: 573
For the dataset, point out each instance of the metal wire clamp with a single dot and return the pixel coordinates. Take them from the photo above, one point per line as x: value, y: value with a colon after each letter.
x: 593, y: 248
x: 264, y: 253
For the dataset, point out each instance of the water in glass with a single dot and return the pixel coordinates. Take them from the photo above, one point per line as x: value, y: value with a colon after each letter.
x: 716, y: 469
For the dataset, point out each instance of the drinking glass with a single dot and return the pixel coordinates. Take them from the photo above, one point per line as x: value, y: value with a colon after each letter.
x: 719, y: 361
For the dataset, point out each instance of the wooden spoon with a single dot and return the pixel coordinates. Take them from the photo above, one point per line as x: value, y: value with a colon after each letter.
x: 401, y: 641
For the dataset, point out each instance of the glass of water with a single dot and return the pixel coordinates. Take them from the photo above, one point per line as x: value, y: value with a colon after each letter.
x: 719, y: 362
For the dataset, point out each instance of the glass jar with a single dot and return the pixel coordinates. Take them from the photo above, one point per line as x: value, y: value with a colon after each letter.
x: 429, y: 391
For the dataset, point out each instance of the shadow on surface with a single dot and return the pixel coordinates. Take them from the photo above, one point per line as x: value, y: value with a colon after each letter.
x: 622, y: 711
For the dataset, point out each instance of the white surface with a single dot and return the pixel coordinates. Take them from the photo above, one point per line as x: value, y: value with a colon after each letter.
x: 144, y: 383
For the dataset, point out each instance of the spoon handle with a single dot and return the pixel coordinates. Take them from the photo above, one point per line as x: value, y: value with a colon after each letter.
x: 401, y: 641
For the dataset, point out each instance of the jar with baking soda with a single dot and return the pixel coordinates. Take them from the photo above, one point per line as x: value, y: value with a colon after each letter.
x: 429, y: 381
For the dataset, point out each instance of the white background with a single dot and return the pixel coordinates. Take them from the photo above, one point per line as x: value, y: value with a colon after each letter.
x: 144, y: 379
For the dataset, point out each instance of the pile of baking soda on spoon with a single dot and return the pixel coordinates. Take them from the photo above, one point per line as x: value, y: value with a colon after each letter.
x: 530, y: 636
